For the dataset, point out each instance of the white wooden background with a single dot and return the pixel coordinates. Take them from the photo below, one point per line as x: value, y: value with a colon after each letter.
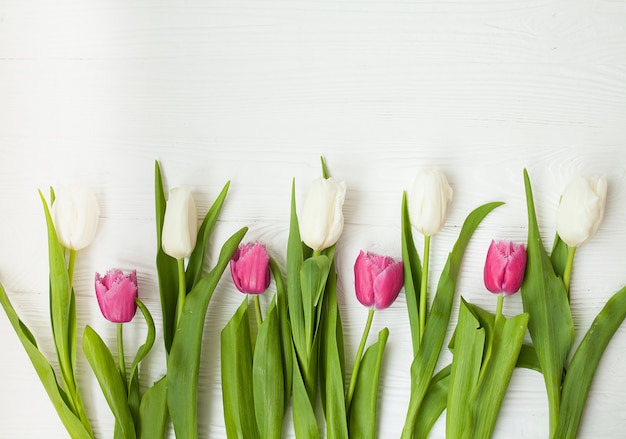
x: 254, y: 91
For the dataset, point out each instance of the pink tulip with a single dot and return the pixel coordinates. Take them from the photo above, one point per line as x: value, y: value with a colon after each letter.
x: 250, y: 268
x: 378, y: 280
x: 505, y: 267
x: 116, y: 294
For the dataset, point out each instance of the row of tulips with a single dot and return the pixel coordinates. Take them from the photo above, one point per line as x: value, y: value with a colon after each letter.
x: 292, y: 353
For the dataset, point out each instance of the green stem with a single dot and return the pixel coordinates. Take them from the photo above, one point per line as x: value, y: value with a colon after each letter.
x: 424, y: 286
x: 257, y: 310
x: 499, y: 308
x: 359, y: 357
x: 71, y: 264
x: 567, y: 274
x: 182, y: 290
x: 120, y: 353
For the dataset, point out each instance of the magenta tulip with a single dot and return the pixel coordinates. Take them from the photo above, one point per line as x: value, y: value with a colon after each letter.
x: 378, y: 279
x: 116, y: 293
x: 250, y: 268
x: 505, y: 267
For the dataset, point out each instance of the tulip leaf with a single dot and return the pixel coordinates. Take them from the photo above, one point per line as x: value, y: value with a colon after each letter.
x: 585, y: 362
x: 268, y: 376
x: 153, y: 411
x: 425, y: 361
x: 332, y: 364
x: 363, y: 408
x: 113, y: 388
x: 544, y: 297
x: 496, y: 373
x: 167, y: 266
x: 435, y: 402
x: 528, y: 358
x: 196, y: 259
x: 412, y: 274
x: 184, y: 360
x: 469, y: 346
x: 285, y: 329
x: 59, y: 399
x: 304, y: 420
x: 558, y: 257
x: 236, y: 367
x: 295, y: 259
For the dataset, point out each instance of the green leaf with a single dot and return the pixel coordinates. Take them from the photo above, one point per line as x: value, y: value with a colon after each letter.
x: 496, y: 374
x: 285, y: 329
x: 113, y: 388
x: 313, y: 276
x: 70, y: 420
x: 295, y: 259
x: 528, y: 358
x: 435, y: 330
x: 153, y: 411
x: 237, y: 385
x: 363, y: 408
x: 412, y: 274
x: 268, y: 377
x: 304, y: 420
x: 184, y: 360
x: 469, y: 345
x: 333, y: 364
x: 585, y: 362
x: 167, y: 267
x: 196, y: 259
x: 434, y: 403
x: 544, y: 297
x: 558, y: 257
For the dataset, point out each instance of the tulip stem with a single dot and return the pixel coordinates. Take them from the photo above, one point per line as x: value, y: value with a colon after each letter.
x: 567, y: 273
x: 120, y: 353
x: 70, y: 268
x: 182, y: 290
x: 257, y: 310
x: 499, y: 307
x: 359, y: 357
x: 424, y: 286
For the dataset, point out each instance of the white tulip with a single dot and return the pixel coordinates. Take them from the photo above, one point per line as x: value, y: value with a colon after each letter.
x: 581, y: 210
x: 429, y: 200
x: 321, y: 221
x: 180, y: 225
x: 75, y: 215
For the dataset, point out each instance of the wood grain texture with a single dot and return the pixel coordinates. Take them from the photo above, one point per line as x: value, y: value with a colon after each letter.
x: 253, y: 92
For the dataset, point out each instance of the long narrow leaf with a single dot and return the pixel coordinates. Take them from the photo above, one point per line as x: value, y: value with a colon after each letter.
x: 585, y: 362
x: 184, y: 360
x: 363, y: 408
x: 46, y: 374
x: 412, y: 274
x: 435, y: 402
x: 196, y: 260
x: 545, y: 299
x: 153, y: 411
x: 237, y: 385
x: 167, y: 268
x: 268, y: 376
x: 304, y: 420
x: 435, y: 330
x: 113, y: 388
x: 285, y: 329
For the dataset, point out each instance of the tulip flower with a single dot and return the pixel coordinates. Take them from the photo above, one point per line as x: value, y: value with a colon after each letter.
x: 378, y: 280
x: 116, y: 294
x: 429, y: 201
x: 581, y: 210
x: 75, y: 215
x: 180, y: 224
x: 428, y: 208
x: 250, y: 268
x: 321, y: 221
x: 505, y: 267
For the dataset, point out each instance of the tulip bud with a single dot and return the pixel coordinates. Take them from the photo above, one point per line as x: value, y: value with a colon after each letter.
x: 321, y: 222
x: 250, y: 268
x: 180, y: 225
x: 581, y: 209
x: 75, y: 215
x: 116, y: 294
x: 505, y: 267
x: 378, y: 280
x: 429, y: 201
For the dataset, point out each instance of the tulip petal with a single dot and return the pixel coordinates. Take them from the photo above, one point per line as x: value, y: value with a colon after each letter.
x: 388, y: 284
